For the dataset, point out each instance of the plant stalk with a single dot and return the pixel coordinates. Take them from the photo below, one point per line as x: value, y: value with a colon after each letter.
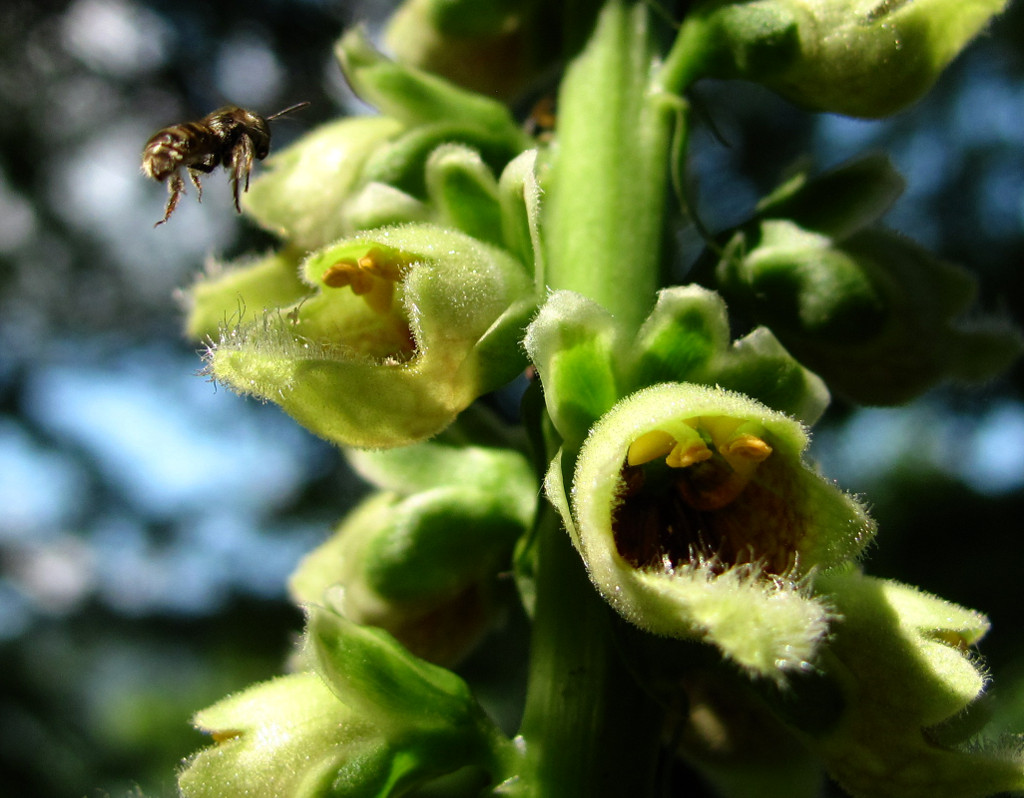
x: 588, y: 729
x: 605, y: 207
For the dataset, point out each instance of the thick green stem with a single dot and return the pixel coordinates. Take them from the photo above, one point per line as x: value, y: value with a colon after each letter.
x: 605, y: 206
x: 588, y: 729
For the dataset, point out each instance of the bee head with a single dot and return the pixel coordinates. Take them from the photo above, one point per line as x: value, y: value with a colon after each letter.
x: 256, y: 128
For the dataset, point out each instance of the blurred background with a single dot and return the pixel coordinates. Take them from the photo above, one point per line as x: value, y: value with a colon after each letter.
x: 148, y: 519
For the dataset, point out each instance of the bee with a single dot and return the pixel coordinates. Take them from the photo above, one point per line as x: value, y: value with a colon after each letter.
x: 231, y: 137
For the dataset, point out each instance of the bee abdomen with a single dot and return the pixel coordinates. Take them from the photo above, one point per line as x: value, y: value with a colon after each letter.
x: 173, y: 147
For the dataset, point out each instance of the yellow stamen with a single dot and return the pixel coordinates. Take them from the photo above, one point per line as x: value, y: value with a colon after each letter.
x: 719, y: 428
x: 686, y: 455
x: 650, y: 446
x: 340, y: 274
x: 722, y: 480
x: 747, y: 446
x: 386, y: 265
x: 371, y: 276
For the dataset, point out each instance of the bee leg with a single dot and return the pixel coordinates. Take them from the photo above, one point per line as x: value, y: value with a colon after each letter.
x: 194, y: 177
x: 241, y: 165
x: 176, y: 186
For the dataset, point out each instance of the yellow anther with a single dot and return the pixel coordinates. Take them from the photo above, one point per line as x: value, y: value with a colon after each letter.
x: 340, y: 274
x: 387, y: 266
x: 371, y: 276
x: 683, y: 455
x: 747, y: 446
x: 650, y: 446
x: 732, y: 453
x: 362, y: 283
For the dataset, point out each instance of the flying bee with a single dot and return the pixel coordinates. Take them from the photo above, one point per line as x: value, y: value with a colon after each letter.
x: 231, y: 137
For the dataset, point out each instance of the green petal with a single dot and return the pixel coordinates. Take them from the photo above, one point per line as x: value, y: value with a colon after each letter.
x: 290, y: 736
x: 230, y: 294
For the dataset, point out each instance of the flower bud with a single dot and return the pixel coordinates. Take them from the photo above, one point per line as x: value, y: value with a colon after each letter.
x: 696, y: 518
x: 587, y: 360
x: 404, y: 695
x: 366, y: 172
x: 424, y: 565
x: 305, y: 193
x: 290, y: 736
x: 418, y: 98
x: 483, y: 45
x: 422, y: 319
x: 902, y: 661
x: 371, y: 719
x: 686, y: 338
x: 875, y: 315
x: 866, y: 58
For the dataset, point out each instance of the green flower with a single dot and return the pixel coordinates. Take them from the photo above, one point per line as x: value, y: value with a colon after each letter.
x: 588, y: 360
x: 877, y: 316
x: 912, y: 724
x: 422, y: 558
x: 423, y: 320
x: 316, y: 191
x: 697, y: 518
x: 369, y: 720
x: 867, y: 58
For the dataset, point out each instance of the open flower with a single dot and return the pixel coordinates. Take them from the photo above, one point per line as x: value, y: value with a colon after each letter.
x: 409, y: 326
x: 697, y: 518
